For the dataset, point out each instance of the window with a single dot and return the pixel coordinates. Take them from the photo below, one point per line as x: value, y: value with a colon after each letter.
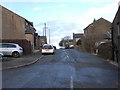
x: 26, y: 24
x: 4, y: 45
x: 0, y: 45
x: 11, y: 46
x: 118, y: 28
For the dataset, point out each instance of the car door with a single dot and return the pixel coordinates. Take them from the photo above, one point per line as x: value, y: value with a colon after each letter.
x: 4, y: 49
x: 10, y: 49
x: 0, y: 47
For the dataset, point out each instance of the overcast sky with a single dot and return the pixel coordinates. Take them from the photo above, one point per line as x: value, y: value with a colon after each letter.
x: 63, y: 17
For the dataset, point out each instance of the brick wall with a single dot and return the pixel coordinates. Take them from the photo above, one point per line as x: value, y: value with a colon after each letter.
x: 25, y: 44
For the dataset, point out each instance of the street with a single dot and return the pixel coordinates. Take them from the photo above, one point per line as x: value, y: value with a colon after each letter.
x: 67, y: 68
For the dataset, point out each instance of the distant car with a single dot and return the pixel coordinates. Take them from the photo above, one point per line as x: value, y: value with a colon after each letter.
x: 48, y: 48
x: 62, y: 47
x: 11, y: 49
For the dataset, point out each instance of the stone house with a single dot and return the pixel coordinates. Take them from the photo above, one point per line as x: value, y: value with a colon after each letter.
x: 67, y: 43
x: 116, y: 36
x: 70, y: 42
x: 37, y: 41
x: 30, y: 32
x: 43, y: 40
x: 95, y: 33
x: 76, y: 37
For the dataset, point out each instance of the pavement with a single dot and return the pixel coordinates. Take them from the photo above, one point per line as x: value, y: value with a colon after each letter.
x: 25, y: 60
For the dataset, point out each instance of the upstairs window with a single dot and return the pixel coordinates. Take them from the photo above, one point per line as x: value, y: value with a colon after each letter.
x: 26, y: 24
x: 118, y: 28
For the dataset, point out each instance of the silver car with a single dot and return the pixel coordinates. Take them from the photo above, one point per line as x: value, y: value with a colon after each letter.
x: 1, y: 54
x: 11, y: 49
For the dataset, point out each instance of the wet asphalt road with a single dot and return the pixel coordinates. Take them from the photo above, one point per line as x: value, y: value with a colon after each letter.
x: 64, y: 69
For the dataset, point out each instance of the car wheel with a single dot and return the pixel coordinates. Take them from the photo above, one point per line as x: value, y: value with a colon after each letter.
x: 15, y: 54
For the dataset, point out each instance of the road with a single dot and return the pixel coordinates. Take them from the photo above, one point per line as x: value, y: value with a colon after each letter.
x: 67, y: 68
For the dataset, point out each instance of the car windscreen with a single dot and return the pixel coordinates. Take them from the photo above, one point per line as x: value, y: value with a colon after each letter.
x: 47, y: 47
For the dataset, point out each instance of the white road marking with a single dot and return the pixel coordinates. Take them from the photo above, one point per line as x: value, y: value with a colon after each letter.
x: 71, y: 83
x: 67, y: 54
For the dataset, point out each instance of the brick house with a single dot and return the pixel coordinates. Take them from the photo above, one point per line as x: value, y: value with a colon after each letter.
x: 116, y: 36
x: 95, y: 33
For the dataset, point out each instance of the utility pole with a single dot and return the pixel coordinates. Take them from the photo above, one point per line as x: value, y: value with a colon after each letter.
x: 43, y: 31
x: 45, y: 28
x: 49, y: 36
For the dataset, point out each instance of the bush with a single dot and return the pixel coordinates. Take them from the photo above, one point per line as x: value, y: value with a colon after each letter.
x: 105, y: 50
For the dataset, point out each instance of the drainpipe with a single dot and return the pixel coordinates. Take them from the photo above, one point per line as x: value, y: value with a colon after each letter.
x: 113, y: 57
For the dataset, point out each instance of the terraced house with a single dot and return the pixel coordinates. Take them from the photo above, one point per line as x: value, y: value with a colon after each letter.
x: 96, y: 33
x: 16, y: 29
x: 116, y: 36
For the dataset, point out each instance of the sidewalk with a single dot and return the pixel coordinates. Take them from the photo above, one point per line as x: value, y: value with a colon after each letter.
x: 109, y: 61
x: 24, y: 60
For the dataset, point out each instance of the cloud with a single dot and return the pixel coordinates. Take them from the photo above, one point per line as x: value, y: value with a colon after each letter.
x: 62, y: 5
x: 108, y: 12
x: 90, y: 1
x: 49, y: 7
x: 37, y: 8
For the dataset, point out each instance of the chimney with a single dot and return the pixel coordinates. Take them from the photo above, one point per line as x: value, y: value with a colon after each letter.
x: 119, y: 4
x: 94, y: 20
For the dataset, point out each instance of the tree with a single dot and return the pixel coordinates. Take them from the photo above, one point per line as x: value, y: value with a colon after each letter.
x: 78, y: 42
x: 65, y: 42
x: 61, y: 43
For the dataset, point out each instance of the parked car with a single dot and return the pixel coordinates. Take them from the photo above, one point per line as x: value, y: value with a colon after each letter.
x: 11, y: 49
x: 48, y: 48
x: 62, y: 47
x: 1, y: 54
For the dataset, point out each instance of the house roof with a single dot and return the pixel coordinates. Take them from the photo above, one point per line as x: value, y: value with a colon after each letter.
x: 31, y: 23
x: 78, y: 35
x: 36, y: 34
x: 95, y: 21
x: 43, y: 37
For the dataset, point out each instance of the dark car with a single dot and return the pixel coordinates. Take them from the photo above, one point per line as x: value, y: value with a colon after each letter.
x: 54, y: 47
